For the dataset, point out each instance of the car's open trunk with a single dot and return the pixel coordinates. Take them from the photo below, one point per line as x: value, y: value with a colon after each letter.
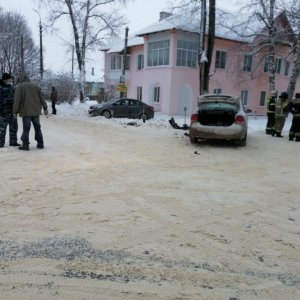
x: 217, y: 113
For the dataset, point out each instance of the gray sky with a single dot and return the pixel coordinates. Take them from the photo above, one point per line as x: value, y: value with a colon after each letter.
x: 140, y: 13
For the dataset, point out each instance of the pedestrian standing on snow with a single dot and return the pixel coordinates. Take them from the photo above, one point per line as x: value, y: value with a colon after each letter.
x: 271, y: 112
x: 295, y: 127
x: 281, y: 112
x: 28, y: 103
x: 53, y: 99
x: 7, y: 117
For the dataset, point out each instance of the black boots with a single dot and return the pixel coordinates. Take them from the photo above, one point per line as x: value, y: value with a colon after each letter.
x: 24, y: 147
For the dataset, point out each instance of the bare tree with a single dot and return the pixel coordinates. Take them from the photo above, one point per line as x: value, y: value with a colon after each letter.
x: 92, y: 22
x: 292, y: 10
x: 257, y: 23
x: 13, y: 29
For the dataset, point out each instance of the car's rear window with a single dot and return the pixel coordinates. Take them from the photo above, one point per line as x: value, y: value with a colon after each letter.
x: 218, y: 106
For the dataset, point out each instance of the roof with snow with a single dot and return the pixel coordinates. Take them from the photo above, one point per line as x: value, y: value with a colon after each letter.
x: 178, y: 22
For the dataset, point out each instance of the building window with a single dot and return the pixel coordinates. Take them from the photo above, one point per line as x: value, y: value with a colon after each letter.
x: 287, y: 68
x: 186, y: 54
x: 278, y: 65
x: 158, y: 53
x: 156, y: 94
x: 247, y: 63
x: 140, y: 62
x: 262, y: 99
x: 266, y: 65
x: 244, y: 97
x: 217, y: 91
x: 139, y: 93
x: 116, y: 62
x: 220, y: 59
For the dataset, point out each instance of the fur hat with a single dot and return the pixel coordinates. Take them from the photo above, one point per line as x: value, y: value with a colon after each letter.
x: 6, y: 76
x: 284, y: 95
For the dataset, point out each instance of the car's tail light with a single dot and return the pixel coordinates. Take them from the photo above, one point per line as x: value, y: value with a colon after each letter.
x: 194, y: 118
x: 240, y: 119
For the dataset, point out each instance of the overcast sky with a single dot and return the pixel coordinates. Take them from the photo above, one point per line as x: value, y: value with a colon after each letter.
x: 140, y: 13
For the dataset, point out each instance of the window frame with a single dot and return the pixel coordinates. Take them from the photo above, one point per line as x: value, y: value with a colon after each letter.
x: 262, y: 98
x: 156, y: 94
x: 248, y: 60
x: 220, y: 60
x: 158, y: 53
x: 245, y: 97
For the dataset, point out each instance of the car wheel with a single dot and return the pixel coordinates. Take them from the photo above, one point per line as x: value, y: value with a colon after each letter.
x: 106, y: 114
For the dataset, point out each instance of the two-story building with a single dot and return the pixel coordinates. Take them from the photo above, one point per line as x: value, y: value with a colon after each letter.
x: 162, y: 67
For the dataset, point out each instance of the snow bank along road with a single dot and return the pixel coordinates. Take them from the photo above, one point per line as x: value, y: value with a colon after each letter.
x: 109, y: 211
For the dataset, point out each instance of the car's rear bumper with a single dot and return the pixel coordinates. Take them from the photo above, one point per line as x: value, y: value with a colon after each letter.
x: 233, y: 132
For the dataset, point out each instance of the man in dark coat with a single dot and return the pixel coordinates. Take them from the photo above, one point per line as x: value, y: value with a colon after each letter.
x: 28, y: 103
x: 7, y: 117
x: 295, y: 110
x: 271, y: 112
x: 53, y: 99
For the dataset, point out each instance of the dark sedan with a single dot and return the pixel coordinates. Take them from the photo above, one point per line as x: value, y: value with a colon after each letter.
x: 123, y: 108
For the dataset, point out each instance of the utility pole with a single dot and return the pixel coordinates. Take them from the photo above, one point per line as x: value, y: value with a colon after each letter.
x: 122, y: 77
x: 41, y: 45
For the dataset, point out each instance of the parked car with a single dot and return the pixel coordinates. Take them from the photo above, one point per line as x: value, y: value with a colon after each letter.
x: 219, y: 117
x: 123, y: 108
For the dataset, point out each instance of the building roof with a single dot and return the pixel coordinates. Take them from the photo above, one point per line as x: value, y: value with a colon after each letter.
x: 118, y: 46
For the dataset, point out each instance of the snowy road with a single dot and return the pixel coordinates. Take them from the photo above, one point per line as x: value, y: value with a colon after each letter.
x: 110, y: 211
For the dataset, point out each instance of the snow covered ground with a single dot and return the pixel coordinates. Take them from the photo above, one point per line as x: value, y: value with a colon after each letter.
x: 111, y: 211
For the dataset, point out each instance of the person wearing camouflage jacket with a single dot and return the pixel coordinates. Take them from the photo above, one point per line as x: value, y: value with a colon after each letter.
x: 7, y: 117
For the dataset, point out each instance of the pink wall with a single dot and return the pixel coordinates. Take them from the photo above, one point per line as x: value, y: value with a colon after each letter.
x: 179, y: 86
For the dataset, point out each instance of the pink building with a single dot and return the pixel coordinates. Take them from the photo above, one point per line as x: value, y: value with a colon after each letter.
x: 162, y: 68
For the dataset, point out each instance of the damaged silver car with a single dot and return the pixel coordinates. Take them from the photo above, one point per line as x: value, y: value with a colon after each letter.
x: 219, y: 117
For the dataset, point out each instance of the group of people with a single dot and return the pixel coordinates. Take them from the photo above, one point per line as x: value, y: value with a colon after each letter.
x: 27, y: 101
x: 278, y: 110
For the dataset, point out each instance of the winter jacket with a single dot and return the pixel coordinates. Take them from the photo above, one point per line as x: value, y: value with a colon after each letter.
x: 28, y: 100
x: 6, y: 99
x: 282, y: 108
x: 271, y: 104
x: 53, y: 96
x: 295, y: 107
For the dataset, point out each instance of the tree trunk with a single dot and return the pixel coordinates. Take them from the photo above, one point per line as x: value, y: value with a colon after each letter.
x: 271, y: 62
x: 296, y: 69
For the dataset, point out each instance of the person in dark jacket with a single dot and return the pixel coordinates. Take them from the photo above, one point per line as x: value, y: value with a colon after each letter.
x: 281, y: 112
x: 271, y: 112
x: 53, y: 99
x: 295, y: 127
x: 7, y: 117
x: 28, y: 103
